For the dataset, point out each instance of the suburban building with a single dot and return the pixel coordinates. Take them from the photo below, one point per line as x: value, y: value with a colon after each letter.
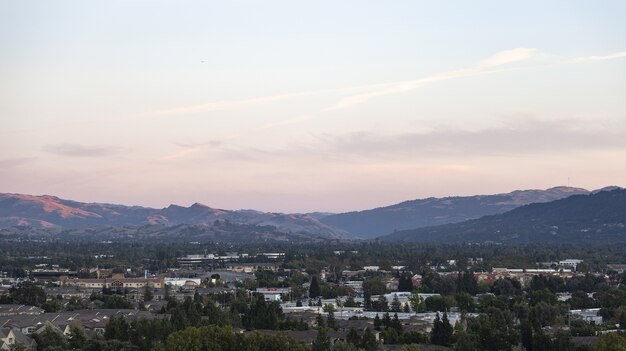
x: 117, y: 281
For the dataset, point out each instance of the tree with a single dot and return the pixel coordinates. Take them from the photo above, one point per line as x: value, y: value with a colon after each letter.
x: 374, y: 286
x: 148, y: 295
x: 610, y: 342
x: 368, y: 340
x: 353, y: 337
x: 440, y: 334
x: 331, y: 321
x: 28, y: 293
x: 322, y: 341
x: 395, y: 304
x: 377, y: 322
x: 117, y: 328
x: 381, y: 304
x: 466, y: 342
x: 50, y: 339
x: 405, y: 283
x: 526, y: 331
x: 76, y: 338
x: 494, y: 330
x: 314, y: 289
x: 344, y: 346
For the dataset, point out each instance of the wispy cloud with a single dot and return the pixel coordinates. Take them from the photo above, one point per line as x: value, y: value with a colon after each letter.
x: 529, y: 137
x: 187, y: 149
x: 229, y: 104
x: 508, y: 56
x: 362, y: 93
x: 16, y: 162
x: 483, y: 67
x: 78, y: 150
x: 612, y: 56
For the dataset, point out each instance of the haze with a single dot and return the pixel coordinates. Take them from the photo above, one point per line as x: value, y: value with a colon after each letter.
x: 325, y: 106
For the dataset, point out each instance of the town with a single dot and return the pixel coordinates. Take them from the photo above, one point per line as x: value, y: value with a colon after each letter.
x: 365, y: 296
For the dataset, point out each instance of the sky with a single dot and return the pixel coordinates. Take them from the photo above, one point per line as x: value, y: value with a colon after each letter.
x: 293, y: 106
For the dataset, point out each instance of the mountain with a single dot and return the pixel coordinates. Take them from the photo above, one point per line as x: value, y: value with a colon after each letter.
x: 52, y: 212
x: 219, y: 231
x: 436, y: 211
x: 598, y: 217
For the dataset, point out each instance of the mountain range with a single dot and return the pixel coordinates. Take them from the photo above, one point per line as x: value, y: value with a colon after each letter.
x: 437, y: 211
x: 598, y: 217
x: 51, y: 212
x: 502, y: 217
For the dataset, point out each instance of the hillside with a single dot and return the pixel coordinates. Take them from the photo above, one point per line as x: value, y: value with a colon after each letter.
x: 219, y: 231
x: 52, y: 212
x: 598, y: 217
x: 436, y: 211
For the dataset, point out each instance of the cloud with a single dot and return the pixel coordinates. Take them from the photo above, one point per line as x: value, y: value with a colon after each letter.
x: 78, y: 150
x: 16, y: 162
x: 483, y: 67
x: 527, y: 138
x: 508, y: 56
x: 612, y: 56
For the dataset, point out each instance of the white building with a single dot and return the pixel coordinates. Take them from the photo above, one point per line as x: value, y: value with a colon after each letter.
x: 570, y: 262
x: 182, y: 281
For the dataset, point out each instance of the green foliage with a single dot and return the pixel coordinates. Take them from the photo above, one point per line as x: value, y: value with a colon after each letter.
x: 28, y: 293
x: 322, y: 340
x: 374, y: 286
x: 262, y: 315
x: 442, y: 330
x: 610, y: 342
x: 494, y: 330
x: 314, y: 289
x: 439, y: 303
x: 77, y: 338
x: 50, y: 339
x: 117, y: 328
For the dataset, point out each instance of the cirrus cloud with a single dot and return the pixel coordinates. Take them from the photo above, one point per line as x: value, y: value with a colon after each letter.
x: 79, y: 150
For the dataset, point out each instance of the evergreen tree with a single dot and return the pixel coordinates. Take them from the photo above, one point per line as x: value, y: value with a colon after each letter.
x: 76, y: 338
x: 368, y: 341
x: 395, y: 304
x: 314, y: 289
x: 117, y: 328
x: 442, y: 331
x: 322, y: 341
x: 353, y: 337
x: 377, y: 322
x: 396, y: 324
x: 526, y: 331
x: 405, y: 283
x: 448, y: 329
x: 331, y: 322
x: 321, y: 323
x: 381, y: 304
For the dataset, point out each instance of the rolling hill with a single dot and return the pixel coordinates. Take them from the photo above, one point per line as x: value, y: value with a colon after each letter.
x: 436, y: 211
x: 597, y: 217
x: 52, y: 212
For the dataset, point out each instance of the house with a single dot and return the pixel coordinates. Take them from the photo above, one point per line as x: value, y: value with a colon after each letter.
x: 588, y: 315
x: 570, y: 262
x: 9, y: 338
x: 12, y: 310
x: 252, y: 267
x: 117, y: 281
x: 182, y: 281
x: 273, y: 294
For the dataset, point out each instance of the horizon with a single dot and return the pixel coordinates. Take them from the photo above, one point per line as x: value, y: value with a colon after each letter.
x: 162, y: 206
x: 329, y: 107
